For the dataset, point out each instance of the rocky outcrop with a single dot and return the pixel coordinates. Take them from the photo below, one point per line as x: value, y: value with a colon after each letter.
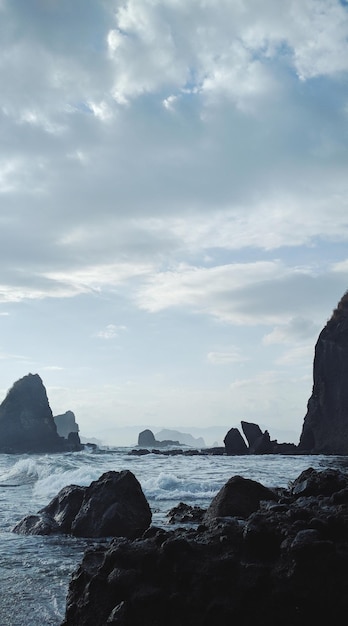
x: 285, y: 563
x: 252, y: 432
x: 325, y: 427
x: 66, y: 424
x: 258, y: 442
x: 112, y: 506
x: 234, y: 443
x: 26, y: 419
x: 147, y: 439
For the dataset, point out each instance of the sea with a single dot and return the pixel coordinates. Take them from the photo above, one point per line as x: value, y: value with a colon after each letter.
x: 35, y: 571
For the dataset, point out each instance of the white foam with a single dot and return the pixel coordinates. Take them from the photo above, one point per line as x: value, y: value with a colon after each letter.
x: 171, y: 487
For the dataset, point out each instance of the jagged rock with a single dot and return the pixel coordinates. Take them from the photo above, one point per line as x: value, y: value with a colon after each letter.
x: 325, y: 427
x: 239, y: 497
x: 263, y: 445
x: 26, y: 419
x: 234, y: 443
x: 286, y: 563
x: 185, y: 514
x: 252, y: 432
x: 112, y: 506
x: 66, y: 424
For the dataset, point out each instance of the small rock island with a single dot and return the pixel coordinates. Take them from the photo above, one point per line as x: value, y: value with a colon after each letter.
x: 26, y: 421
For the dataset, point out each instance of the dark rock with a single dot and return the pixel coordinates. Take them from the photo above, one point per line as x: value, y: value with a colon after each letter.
x: 114, y: 505
x: 146, y: 438
x: 66, y: 424
x: 26, y: 419
x: 285, y: 564
x: 185, y: 514
x: 263, y: 445
x: 239, y: 497
x: 252, y: 432
x: 74, y: 443
x: 234, y: 443
x: 312, y: 483
x: 325, y: 427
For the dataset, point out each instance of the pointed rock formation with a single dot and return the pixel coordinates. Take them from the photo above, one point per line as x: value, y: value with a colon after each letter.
x: 26, y: 420
x: 325, y: 427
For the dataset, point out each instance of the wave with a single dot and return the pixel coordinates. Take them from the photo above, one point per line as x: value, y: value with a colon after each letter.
x: 171, y: 487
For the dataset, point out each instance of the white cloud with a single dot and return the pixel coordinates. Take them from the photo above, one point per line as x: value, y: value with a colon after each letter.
x: 111, y: 331
x: 226, y: 357
x: 298, y: 329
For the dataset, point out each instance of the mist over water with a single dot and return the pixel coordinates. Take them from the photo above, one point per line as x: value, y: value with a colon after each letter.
x: 35, y: 571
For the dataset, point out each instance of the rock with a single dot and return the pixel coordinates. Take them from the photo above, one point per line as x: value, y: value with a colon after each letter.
x: 239, y: 497
x: 284, y: 564
x: 26, y: 419
x: 252, y: 432
x: 114, y: 505
x: 185, y: 514
x: 325, y: 427
x: 263, y: 445
x: 146, y: 439
x: 234, y: 443
x: 66, y: 424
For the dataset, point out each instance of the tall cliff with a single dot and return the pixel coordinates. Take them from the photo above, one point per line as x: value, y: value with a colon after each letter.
x: 325, y: 427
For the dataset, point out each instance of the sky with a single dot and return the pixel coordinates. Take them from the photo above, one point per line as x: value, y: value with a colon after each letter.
x: 173, y: 207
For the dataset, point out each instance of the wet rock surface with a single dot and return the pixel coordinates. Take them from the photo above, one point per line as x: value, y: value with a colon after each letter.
x: 114, y: 505
x: 286, y: 563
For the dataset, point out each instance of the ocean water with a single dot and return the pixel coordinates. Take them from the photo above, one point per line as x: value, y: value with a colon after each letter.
x: 35, y: 571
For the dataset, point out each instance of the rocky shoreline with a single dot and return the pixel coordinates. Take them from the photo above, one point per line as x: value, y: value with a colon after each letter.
x: 254, y: 556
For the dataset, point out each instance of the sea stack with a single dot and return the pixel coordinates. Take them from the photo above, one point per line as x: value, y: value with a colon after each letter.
x: 325, y: 427
x: 26, y: 419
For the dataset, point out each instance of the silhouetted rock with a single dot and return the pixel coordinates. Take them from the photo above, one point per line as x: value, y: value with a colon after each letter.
x: 66, y: 424
x: 234, y: 443
x: 325, y: 427
x: 147, y: 439
x: 26, y: 420
x: 252, y: 432
x: 286, y: 563
x: 263, y: 445
x: 112, y: 506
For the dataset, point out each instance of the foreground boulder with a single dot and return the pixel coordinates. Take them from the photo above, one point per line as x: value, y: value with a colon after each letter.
x: 26, y: 419
x: 239, y: 497
x: 325, y: 427
x: 112, y: 506
x: 286, y: 563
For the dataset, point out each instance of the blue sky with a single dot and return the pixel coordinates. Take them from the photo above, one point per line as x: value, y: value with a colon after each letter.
x: 173, y: 207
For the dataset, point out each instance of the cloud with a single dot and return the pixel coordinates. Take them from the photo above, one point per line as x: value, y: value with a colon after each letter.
x: 251, y: 293
x: 298, y: 329
x: 111, y: 331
